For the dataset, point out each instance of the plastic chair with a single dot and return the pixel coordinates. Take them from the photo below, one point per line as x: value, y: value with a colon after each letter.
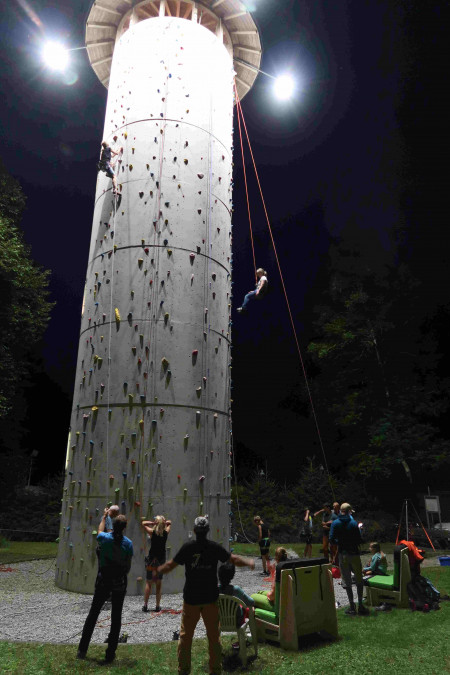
x: 228, y: 613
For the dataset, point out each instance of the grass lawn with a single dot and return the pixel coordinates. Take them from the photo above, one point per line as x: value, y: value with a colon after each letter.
x: 19, y: 551
x: 401, y: 642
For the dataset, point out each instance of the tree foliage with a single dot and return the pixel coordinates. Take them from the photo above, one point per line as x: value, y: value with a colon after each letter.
x: 377, y: 376
x: 24, y: 307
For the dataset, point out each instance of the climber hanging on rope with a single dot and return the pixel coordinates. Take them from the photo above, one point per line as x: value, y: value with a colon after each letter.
x: 259, y: 292
x: 105, y: 164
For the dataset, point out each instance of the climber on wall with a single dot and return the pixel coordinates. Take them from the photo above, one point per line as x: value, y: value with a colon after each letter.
x: 105, y: 163
x: 258, y: 293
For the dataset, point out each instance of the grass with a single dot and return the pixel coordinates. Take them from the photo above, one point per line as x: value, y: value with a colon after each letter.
x: 20, y: 551
x: 400, y: 641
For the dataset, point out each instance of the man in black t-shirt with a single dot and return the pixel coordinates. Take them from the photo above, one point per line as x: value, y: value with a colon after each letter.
x: 200, y: 558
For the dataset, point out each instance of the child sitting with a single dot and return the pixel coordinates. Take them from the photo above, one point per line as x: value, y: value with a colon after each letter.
x: 266, y: 599
x: 226, y: 574
x: 378, y: 564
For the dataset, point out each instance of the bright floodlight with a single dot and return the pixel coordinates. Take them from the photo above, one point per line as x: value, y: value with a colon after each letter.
x: 56, y: 56
x: 284, y: 87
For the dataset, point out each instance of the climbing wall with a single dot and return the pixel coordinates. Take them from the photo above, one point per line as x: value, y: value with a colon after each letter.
x: 150, y: 427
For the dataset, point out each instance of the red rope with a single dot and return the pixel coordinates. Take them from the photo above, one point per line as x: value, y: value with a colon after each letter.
x: 246, y: 189
x: 239, y: 111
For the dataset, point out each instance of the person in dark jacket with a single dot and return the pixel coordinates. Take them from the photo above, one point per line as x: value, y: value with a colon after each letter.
x: 115, y: 556
x: 346, y: 535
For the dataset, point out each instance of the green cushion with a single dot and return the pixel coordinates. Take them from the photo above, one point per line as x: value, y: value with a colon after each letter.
x: 379, y: 581
x: 270, y: 617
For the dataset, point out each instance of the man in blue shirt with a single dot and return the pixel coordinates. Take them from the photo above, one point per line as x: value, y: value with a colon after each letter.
x: 346, y: 535
x: 115, y: 556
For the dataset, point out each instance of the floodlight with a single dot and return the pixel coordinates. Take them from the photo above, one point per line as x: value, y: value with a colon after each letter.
x: 284, y: 87
x: 56, y: 56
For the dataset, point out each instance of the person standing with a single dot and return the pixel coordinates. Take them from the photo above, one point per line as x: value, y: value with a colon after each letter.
x: 264, y: 543
x: 158, y: 531
x: 334, y: 515
x: 346, y: 535
x: 326, y: 524
x: 200, y: 593
x: 116, y: 552
x: 111, y: 512
x: 307, y: 532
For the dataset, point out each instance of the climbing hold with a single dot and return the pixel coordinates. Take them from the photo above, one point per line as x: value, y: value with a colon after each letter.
x: 169, y: 252
x: 213, y: 276
x: 200, y: 175
x: 164, y: 362
x: 140, y: 261
x: 117, y: 315
x: 186, y: 161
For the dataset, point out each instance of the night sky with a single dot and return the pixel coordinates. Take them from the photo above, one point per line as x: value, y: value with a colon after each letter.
x: 358, y: 152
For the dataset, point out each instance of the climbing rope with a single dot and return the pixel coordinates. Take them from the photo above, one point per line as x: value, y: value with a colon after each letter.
x: 241, y: 115
x: 246, y: 188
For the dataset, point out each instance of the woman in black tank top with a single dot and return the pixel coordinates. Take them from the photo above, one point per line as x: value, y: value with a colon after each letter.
x: 158, y: 531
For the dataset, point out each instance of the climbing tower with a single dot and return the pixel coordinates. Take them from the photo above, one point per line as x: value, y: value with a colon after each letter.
x: 151, y: 419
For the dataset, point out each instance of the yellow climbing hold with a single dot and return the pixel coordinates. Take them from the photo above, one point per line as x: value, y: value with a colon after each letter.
x: 117, y: 314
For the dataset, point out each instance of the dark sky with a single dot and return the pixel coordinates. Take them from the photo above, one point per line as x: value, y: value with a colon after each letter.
x: 356, y: 153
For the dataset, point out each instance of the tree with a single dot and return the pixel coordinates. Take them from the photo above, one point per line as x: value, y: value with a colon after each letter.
x: 24, y: 307
x: 377, y: 360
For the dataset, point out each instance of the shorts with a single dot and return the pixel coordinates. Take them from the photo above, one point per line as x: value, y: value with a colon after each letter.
x: 264, y: 546
x: 107, y: 168
x: 349, y: 563
x: 307, y: 536
x: 152, y: 566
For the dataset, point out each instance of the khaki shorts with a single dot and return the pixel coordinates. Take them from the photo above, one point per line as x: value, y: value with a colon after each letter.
x: 349, y: 563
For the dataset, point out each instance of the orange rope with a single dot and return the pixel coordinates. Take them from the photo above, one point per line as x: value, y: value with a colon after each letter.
x: 239, y: 111
x: 245, y: 180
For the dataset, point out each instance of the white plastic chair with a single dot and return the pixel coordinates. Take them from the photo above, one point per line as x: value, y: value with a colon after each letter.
x: 228, y: 612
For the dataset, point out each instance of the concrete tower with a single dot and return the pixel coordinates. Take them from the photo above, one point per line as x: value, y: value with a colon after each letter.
x: 150, y: 427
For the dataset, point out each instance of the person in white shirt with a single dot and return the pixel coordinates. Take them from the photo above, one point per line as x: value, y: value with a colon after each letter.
x: 258, y: 293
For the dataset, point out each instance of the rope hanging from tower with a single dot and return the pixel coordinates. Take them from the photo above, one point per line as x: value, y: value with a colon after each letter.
x: 240, y: 116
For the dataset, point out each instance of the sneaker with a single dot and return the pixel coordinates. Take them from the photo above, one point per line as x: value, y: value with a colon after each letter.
x: 239, y: 310
x: 109, y: 658
x: 157, y: 608
x: 363, y: 611
x: 350, y: 611
x: 81, y: 655
x: 145, y: 608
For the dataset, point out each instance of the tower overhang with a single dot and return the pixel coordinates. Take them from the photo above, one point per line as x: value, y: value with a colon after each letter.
x: 108, y: 20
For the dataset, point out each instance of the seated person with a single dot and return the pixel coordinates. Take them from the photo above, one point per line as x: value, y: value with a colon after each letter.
x: 226, y: 574
x: 258, y: 293
x: 378, y: 563
x: 266, y: 599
